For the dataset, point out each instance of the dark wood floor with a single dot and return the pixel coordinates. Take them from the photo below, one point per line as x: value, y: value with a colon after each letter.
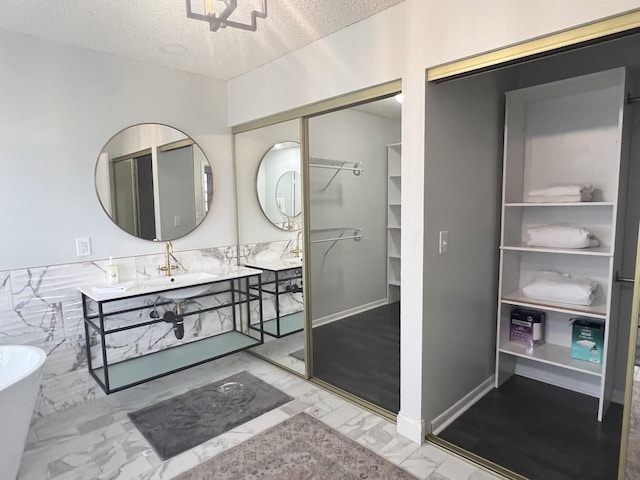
x: 541, y: 432
x: 361, y: 355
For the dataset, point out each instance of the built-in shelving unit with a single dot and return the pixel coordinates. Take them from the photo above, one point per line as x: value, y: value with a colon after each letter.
x: 563, y: 133
x: 394, y: 228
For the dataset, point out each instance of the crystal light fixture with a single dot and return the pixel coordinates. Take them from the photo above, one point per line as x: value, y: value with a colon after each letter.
x: 221, y: 20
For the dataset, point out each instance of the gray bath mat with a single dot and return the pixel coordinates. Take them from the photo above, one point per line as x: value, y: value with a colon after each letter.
x: 182, y: 422
x: 299, y: 354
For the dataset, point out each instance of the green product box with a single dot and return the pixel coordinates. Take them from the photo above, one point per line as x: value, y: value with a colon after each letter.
x: 587, y: 340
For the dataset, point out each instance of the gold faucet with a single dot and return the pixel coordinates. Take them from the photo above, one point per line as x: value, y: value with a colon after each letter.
x: 298, y: 250
x: 168, y: 267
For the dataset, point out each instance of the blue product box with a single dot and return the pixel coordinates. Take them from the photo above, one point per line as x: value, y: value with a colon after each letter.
x: 527, y: 327
x: 587, y: 340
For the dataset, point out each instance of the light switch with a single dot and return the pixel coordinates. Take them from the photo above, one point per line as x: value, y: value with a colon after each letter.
x: 444, y: 242
x: 83, y: 247
x: 177, y: 220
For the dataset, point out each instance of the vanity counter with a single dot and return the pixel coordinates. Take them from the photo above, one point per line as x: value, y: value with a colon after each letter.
x: 283, y: 276
x: 276, y: 264
x: 128, y: 308
x: 135, y: 288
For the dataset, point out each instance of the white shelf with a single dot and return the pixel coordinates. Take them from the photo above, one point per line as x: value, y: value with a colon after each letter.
x: 597, y: 251
x: 394, y: 214
x: 552, y: 355
x: 596, y: 310
x: 577, y: 204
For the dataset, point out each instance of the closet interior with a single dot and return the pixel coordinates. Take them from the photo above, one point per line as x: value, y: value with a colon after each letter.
x: 354, y: 258
x: 544, y: 396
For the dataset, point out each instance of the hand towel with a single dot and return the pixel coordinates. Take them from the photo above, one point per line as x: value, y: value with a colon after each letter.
x: 584, y: 197
x: 561, y: 236
x: 110, y: 289
x: 577, y: 189
x: 559, y: 287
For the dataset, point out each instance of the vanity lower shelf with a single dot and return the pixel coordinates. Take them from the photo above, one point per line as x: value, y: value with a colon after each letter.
x: 174, y: 359
x: 283, y: 325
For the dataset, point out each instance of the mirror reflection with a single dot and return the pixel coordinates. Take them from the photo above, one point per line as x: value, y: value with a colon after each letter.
x: 154, y: 182
x: 278, y: 185
x: 270, y: 236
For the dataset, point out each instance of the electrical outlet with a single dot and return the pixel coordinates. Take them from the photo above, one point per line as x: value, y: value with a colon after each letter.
x: 83, y: 247
x: 444, y: 242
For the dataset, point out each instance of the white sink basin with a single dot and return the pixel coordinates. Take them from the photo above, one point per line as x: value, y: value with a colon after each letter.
x: 184, y: 280
x: 293, y: 261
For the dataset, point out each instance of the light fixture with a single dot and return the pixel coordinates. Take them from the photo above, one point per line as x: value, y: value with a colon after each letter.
x: 221, y: 20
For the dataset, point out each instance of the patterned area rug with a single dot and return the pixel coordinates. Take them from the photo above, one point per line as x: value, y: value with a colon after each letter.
x: 300, y: 448
x: 182, y: 422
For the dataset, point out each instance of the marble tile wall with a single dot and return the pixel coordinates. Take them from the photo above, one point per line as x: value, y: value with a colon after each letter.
x: 41, y: 306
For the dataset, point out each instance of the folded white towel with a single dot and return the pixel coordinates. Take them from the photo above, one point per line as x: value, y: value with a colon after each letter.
x: 109, y: 289
x: 577, y: 189
x: 561, y: 236
x: 561, y: 288
x: 583, y: 197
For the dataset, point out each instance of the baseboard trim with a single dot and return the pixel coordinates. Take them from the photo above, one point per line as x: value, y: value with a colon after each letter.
x: 410, y: 428
x: 349, y: 312
x: 443, y: 420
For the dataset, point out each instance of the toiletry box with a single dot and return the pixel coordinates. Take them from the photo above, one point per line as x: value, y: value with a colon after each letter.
x: 587, y: 340
x: 527, y: 327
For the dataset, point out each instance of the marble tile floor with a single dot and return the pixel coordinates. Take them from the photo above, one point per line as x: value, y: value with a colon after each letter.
x: 97, y: 441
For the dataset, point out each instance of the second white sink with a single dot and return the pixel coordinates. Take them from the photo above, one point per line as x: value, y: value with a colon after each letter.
x: 183, y: 280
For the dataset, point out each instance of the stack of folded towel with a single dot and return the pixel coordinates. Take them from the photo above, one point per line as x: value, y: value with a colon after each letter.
x: 561, y: 236
x: 562, y: 194
x: 559, y: 287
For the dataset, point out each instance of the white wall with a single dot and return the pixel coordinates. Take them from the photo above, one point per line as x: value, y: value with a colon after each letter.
x: 60, y: 105
x: 366, y: 53
x: 456, y: 29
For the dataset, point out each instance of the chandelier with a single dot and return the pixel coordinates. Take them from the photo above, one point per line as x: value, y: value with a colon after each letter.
x: 221, y: 20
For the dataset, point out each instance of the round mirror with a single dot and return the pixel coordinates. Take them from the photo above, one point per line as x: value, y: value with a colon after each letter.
x: 279, y: 185
x: 288, y: 194
x: 154, y: 182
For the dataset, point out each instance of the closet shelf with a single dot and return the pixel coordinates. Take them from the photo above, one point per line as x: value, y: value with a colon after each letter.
x: 553, y: 355
x: 596, y: 310
x: 576, y: 204
x: 596, y: 251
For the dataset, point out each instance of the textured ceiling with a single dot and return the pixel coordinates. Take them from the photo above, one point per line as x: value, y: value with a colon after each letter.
x: 142, y: 29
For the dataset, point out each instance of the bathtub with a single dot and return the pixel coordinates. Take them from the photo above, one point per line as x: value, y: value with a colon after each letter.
x: 20, y: 373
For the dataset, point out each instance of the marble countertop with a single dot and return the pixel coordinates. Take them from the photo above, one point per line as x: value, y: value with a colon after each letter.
x: 276, y: 264
x: 132, y: 288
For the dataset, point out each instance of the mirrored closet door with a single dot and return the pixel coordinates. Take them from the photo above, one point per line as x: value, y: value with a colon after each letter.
x: 270, y: 221
x: 548, y: 402
x: 354, y: 257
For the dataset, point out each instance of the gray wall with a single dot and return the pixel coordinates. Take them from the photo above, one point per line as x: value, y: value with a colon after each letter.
x: 463, y: 163
x: 352, y: 273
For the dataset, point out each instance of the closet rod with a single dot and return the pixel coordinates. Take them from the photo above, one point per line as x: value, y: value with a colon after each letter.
x: 352, y: 169
x: 618, y: 278
x: 335, y: 239
x: 631, y: 99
